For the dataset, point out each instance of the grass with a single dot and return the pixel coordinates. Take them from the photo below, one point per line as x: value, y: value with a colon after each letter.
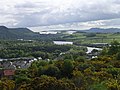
x: 99, y: 38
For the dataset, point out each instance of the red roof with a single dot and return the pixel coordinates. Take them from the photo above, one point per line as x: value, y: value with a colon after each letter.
x: 9, y: 72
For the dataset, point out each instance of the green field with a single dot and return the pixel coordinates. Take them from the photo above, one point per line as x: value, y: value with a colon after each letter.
x: 85, y: 38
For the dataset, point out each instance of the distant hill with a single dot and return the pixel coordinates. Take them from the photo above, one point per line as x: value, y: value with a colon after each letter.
x: 16, y: 33
x: 101, y: 30
x: 5, y: 33
x: 24, y: 33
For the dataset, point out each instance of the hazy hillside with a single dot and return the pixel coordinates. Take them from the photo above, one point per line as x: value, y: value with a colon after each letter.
x: 16, y: 33
x: 101, y: 30
x: 6, y: 34
x: 24, y: 33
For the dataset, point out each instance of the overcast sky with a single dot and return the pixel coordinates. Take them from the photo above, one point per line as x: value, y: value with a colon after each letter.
x: 60, y: 14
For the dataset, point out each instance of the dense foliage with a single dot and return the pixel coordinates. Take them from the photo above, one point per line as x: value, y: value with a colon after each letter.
x: 16, y: 49
x: 102, y: 73
x: 72, y: 72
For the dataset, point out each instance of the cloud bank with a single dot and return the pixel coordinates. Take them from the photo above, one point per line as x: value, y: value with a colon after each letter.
x: 62, y: 14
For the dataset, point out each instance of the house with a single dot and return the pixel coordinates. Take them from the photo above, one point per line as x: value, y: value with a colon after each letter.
x: 15, y: 63
x: 9, y: 72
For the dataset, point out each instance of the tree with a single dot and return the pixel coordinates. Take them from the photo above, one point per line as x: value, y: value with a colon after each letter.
x: 6, y: 84
x: 51, y: 70
x: 112, y: 84
x: 22, y: 78
x: 48, y: 83
x: 79, y: 79
x: 33, y: 70
x: 114, y: 48
x: 3, y: 86
x: 98, y: 86
x: 67, y: 68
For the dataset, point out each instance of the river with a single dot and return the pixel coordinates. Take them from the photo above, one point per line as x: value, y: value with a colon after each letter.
x: 71, y: 43
x: 62, y: 42
x: 92, y: 48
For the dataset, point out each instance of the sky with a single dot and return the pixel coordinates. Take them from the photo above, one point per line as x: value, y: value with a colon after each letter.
x: 60, y: 14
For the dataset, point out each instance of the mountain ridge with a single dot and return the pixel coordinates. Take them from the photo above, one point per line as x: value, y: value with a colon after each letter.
x: 26, y: 33
x: 102, y: 30
x: 16, y: 33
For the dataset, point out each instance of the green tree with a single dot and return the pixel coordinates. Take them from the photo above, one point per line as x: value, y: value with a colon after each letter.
x: 98, y: 87
x: 67, y: 68
x: 48, y: 83
x: 51, y: 70
x: 114, y: 48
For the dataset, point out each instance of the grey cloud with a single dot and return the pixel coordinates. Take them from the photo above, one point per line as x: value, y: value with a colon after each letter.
x: 26, y: 5
x: 29, y: 14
